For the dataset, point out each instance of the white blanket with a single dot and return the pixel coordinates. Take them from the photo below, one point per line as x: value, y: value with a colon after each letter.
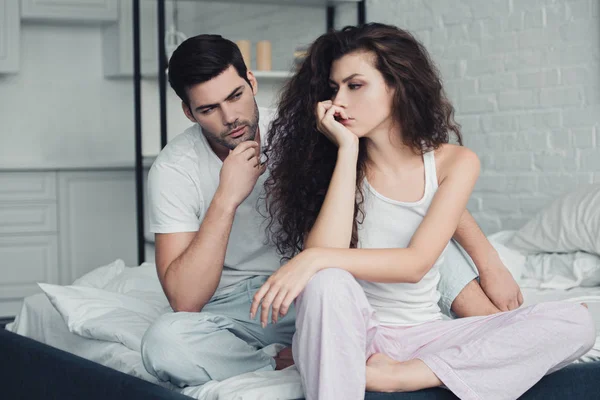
x: 548, y: 270
x: 114, y: 305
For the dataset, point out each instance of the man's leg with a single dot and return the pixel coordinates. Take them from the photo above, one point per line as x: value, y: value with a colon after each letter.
x: 461, y: 295
x: 215, y: 344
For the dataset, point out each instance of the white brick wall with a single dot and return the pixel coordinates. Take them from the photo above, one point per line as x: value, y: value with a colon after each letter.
x: 524, y: 76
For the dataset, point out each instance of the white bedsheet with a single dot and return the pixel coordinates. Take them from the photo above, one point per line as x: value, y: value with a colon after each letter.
x: 110, y: 292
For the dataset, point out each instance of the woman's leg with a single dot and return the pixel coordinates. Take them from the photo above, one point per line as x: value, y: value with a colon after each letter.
x: 334, y: 326
x: 499, y: 356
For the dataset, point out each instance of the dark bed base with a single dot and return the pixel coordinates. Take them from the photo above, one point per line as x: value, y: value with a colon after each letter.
x: 33, y: 370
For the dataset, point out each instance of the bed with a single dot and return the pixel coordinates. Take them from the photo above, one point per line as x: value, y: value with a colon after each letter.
x: 103, y: 315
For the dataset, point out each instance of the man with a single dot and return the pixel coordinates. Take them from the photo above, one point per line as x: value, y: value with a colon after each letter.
x: 212, y: 252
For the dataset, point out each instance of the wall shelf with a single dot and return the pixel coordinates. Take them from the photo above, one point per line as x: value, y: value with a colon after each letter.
x: 272, y: 75
x: 300, y: 3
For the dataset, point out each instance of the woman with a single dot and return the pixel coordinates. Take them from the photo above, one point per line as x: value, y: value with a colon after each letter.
x: 366, y: 188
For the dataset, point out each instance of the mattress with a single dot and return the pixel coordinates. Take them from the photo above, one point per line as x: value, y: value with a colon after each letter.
x: 39, y: 320
x: 90, y: 319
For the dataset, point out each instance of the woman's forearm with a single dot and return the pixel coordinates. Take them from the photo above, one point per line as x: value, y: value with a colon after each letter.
x: 406, y: 265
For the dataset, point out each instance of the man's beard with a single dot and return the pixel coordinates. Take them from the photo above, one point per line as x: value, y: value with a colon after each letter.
x: 224, y: 139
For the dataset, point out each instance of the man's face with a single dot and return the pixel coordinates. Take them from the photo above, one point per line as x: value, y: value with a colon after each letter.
x: 225, y: 108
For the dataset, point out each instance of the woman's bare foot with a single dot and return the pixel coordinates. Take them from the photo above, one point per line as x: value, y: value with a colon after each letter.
x: 585, y: 305
x: 387, y: 375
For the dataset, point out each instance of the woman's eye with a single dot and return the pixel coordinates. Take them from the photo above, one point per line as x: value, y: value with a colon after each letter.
x: 354, y: 86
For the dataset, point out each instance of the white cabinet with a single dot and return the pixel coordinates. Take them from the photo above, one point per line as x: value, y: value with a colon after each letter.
x: 55, y: 226
x: 69, y: 10
x: 28, y: 236
x: 97, y: 220
x: 10, y: 26
x: 117, y: 41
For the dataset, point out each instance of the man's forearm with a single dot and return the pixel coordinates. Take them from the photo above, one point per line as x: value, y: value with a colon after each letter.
x: 473, y: 240
x: 193, y: 277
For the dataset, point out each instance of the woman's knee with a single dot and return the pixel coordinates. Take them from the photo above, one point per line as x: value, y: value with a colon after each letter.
x: 330, y: 282
x: 574, y: 319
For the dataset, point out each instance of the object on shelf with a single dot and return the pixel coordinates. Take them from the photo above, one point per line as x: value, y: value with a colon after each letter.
x: 299, y: 56
x: 244, y: 46
x: 263, y: 55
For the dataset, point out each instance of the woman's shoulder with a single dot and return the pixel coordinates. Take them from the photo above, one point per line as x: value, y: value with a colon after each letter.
x: 452, y: 158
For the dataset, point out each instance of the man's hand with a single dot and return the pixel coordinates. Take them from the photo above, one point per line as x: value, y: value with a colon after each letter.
x: 499, y: 285
x: 240, y: 172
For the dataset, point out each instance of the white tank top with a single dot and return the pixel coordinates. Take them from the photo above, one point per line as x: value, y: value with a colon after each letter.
x: 391, y: 224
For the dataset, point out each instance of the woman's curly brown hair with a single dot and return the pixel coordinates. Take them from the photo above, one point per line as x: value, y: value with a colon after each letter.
x: 301, y: 159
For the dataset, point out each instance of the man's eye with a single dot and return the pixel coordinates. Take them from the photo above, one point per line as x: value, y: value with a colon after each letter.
x: 238, y: 95
x: 206, y: 111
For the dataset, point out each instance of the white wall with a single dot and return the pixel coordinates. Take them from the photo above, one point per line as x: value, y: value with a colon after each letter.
x: 60, y: 111
x: 59, y: 106
x: 524, y: 76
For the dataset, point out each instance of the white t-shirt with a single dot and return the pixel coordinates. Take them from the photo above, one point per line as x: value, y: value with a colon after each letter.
x: 392, y: 224
x: 181, y: 185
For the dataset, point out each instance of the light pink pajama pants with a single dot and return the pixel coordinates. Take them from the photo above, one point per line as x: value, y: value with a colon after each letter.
x: 494, y: 357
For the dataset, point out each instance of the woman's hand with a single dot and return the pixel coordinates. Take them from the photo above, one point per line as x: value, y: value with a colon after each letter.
x: 282, y: 288
x: 327, y: 124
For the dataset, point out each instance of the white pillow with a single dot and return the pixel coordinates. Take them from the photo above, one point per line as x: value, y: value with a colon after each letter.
x: 100, y: 276
x: 569, y: 224
x: 99, y: 314
x: 135, y: 279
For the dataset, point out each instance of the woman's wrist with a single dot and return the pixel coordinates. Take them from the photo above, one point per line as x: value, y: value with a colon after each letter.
x: 316, y: 258
x: 349, y: 149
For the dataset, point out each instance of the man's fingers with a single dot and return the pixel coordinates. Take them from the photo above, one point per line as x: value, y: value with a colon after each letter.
x: 263, y: 168
x: 520, y: 298
x: 250, y: 152
x: 240, y: 148
x: 255, y: 161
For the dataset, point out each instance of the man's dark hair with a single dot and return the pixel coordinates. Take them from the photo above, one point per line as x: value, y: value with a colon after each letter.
x: 201, y: 58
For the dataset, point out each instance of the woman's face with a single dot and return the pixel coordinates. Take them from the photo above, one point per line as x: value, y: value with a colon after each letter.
x: 360, y: 89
